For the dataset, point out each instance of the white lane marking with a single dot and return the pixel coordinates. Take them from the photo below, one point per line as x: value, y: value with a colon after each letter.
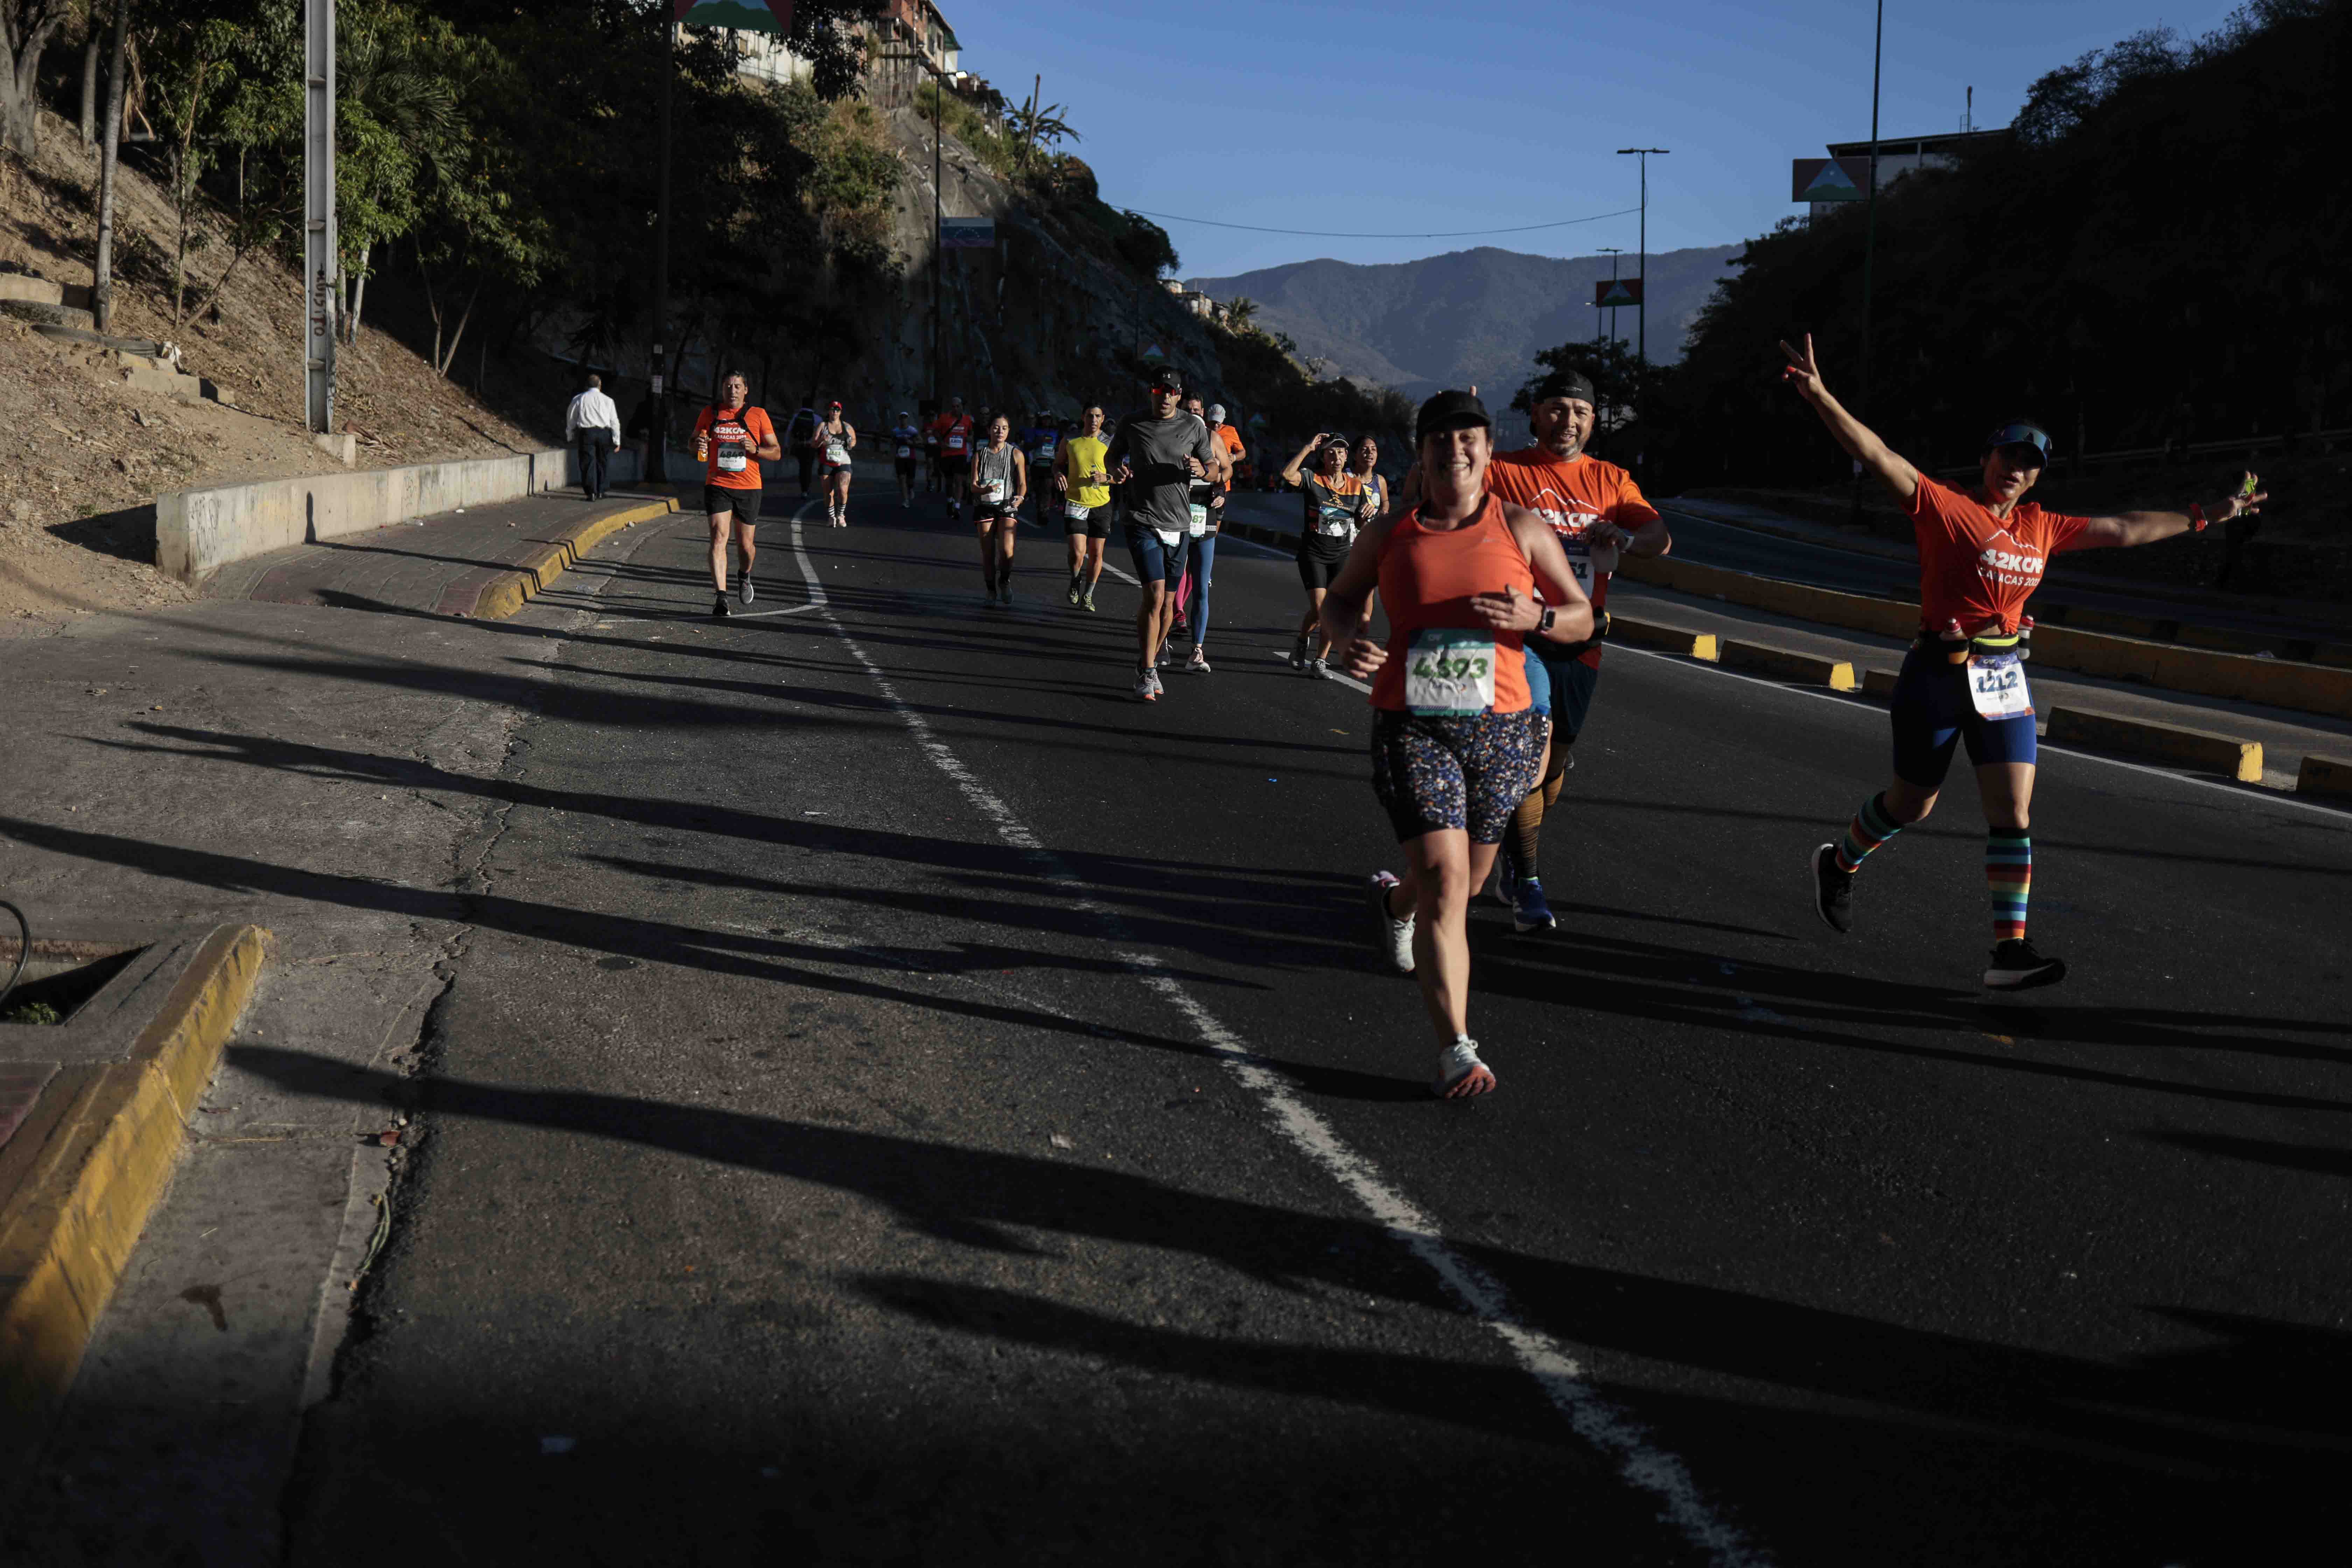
x: 1845, y: 700
x: 1330, y: 674
x: 1640, y: 1463
x: 1122, y: 576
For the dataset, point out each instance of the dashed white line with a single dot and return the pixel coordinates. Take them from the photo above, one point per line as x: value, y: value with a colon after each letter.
x: 1640, y: 1462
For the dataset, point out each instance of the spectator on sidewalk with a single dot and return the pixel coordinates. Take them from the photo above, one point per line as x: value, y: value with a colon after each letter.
x: 594, y: 422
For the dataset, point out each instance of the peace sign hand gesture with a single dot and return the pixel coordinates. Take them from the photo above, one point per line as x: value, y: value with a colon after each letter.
x: 1803, y: 372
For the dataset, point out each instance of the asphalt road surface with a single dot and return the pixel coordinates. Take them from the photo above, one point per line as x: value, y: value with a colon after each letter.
x: 903, y: 1100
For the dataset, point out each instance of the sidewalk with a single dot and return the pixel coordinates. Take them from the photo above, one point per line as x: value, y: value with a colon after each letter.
x: 333, y: 778
x: 464, y: 563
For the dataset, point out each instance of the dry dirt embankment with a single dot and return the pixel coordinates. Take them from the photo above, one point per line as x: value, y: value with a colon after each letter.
x: 83, y: 453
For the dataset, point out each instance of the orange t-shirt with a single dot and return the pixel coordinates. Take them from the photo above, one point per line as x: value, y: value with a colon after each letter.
x: 736, y: 436
x: 1231, y: 439
x: 954, y: 436
x: 1572, y: 496
x: 1973, y: 566
x: 1427, y: 576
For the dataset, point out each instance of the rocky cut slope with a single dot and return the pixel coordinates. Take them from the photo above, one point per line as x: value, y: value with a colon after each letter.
x: 1052, y: 316
x: 89, y: 435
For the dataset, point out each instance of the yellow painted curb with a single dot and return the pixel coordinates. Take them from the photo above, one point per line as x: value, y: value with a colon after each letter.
x: 1790, y: 665
x: 1666, y: 639
x: 95, y: 1157
x: 2324, y: 775
x: 2200, y: 749
x: 510, y: 591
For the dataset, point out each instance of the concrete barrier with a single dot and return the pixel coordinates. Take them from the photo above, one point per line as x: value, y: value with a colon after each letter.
x: 1880, y: 682
x: 2317, y: 688
x: 2200, y: 749
x: 2324, y: 775
x: 197, y: 532
x: 1787, y: 664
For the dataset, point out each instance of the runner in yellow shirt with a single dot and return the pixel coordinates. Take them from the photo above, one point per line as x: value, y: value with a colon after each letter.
x: 1080, y: 475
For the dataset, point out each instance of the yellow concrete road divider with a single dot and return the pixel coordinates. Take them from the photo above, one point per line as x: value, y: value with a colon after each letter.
x: 2200, y: 749
x: 2317, y: 688
x: 1665, y: 638
x: 510, y: 591
x: 2324, y: 775
x: 1787, y: 664
x: 80, y: 1176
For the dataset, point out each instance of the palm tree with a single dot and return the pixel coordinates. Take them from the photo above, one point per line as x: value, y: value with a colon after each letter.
x: 1038, y: 126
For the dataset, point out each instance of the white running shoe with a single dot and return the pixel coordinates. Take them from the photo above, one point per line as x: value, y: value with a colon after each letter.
x: 1159, y: 686
x: 1199, y: 663
x: 1147, y: 686
x: 1460, y: 1073
x: 1396, y: 935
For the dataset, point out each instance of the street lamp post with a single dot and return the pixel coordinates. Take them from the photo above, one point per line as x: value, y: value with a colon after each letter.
x: 1641, y: 306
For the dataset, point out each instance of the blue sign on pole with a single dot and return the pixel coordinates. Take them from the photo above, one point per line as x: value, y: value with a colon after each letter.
x: 967, y: 233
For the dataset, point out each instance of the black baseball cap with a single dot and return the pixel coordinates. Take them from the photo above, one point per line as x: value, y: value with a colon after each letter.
x: 1450, y: 411
x: 1571, y: 384
x: 1167, y: 378
x: 2020, y: 433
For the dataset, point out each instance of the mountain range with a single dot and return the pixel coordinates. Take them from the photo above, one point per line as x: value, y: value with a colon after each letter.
x: 1466, y: 317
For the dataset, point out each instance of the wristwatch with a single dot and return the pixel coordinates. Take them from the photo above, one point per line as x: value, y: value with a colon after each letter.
x: 2197, y: 519
x: 1543, y: 626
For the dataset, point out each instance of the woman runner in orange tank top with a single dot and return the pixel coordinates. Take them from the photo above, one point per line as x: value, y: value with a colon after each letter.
x: 1455, y: 743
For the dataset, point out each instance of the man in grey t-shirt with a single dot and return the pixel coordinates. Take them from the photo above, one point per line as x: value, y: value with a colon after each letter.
x: 1153, y: 459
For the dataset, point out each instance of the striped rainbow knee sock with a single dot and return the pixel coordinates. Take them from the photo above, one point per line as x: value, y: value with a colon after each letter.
x: 1870, y: 828
x: 2009, y: 878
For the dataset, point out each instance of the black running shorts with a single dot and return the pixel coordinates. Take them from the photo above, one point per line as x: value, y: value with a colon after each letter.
x: 744, y: 504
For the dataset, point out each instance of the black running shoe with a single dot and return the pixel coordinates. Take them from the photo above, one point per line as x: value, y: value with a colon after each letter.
x: 2015, y: 966
x: 718, y: 608
x: 1833, y: 891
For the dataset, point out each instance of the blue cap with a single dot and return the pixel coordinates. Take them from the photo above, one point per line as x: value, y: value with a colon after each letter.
x: 2018, y: 433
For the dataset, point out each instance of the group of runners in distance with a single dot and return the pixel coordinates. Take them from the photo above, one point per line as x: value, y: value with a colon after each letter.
x: 1494, y: 571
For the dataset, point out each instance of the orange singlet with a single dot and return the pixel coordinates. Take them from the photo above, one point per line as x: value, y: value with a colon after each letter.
x: 1427, y: 576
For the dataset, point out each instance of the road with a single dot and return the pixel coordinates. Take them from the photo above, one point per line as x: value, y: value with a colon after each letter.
x: 900, y: 1099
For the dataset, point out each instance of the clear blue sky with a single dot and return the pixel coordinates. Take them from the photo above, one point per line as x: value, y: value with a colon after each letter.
x: 1469, y: 114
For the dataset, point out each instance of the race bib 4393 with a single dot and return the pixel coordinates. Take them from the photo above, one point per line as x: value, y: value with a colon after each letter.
x: 1450, y: 672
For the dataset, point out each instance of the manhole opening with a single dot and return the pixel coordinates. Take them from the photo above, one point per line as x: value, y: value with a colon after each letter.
x: 55, y: 988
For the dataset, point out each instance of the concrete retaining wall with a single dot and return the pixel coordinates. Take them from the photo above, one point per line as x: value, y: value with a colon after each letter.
x: 197, y: 532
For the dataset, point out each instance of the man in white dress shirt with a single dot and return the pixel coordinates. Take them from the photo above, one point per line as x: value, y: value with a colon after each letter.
x: 594, y: 422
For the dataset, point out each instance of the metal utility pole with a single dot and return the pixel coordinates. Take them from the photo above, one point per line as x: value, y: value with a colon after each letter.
x: 1870, y: 223
x: 1612, y: 252
x: 1862, y: 408
x: 1641, y: 306
x: 938, y: 145
x: 320, y: 271
x: 658, y: 439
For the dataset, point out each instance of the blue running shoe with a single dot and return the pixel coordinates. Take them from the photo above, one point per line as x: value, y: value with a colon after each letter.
x: 1506, y: 885
x: 1529, y: 910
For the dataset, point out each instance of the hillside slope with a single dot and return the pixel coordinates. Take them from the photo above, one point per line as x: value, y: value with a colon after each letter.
x: 1468, y: 316
x: 83, y: 455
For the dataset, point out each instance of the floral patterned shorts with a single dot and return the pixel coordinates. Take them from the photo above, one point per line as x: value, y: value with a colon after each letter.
x: 1468, y: 772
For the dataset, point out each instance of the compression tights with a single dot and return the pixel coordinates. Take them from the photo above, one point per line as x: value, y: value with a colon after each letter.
x: 1527, y: 822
